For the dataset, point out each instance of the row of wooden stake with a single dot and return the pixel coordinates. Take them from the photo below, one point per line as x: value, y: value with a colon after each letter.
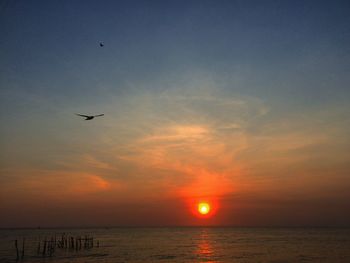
x: 47, y: 247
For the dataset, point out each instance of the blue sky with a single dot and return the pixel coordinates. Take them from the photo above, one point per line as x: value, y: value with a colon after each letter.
x: 266, y: 45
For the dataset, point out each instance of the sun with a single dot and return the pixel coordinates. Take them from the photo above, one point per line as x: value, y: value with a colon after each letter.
x: 203, y: 208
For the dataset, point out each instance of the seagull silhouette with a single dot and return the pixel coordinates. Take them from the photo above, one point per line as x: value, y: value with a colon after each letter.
x: 89, y: 117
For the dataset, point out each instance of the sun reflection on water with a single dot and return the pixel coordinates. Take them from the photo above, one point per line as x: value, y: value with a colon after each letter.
x: 205, y: 250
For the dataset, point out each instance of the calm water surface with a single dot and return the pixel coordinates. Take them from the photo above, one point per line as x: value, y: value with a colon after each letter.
x: 275, y: 245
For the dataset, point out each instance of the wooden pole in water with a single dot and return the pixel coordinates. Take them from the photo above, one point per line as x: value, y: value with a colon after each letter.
x: 23, y: 248
x: 16, y: 245
x: 50, y: 247
x: 44, y: 249
x: 38, y: 251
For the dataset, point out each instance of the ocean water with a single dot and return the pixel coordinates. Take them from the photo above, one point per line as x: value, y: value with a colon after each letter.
x: 186, y: 244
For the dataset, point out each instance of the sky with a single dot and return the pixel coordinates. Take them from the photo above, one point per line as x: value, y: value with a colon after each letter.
x: 244, y: 105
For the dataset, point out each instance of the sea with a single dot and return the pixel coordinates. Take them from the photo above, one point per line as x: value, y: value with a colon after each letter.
x: 178, y: 244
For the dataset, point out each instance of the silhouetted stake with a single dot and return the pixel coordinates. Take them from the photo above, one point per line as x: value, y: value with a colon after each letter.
x: 76, y: 243
x: 16, y: 245
x: 52, y: 248
x: 44, y: 249
x: 49, y: 248
x: 98, y: 243
x: 23, y: 248
x: 38, y: 251
x: 62, y: 241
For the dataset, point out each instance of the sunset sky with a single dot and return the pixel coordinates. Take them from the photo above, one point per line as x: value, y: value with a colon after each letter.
x: 241, y: 104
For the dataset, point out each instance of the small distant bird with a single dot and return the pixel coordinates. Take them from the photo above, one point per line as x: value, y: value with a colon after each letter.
x: 101, y: 44
x: 89, y: 117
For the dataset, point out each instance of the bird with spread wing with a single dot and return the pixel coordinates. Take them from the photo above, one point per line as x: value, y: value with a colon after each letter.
x: 89, y: 117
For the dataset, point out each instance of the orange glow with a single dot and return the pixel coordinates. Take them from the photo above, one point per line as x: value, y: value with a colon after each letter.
x: 203, y: 208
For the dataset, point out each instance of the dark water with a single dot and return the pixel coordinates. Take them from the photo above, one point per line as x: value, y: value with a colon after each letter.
x: 184, y: 244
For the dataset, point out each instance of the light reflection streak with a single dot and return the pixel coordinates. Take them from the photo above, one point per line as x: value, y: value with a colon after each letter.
x: 205, y: 250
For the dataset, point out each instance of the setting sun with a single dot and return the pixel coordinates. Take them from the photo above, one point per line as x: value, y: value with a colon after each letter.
x: 203, y: 208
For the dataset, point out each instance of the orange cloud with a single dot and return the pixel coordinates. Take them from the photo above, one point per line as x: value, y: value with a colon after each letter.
x: 57, y: 185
